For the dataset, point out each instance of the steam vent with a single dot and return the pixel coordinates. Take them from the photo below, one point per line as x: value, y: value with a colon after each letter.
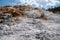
x: 28, y: 23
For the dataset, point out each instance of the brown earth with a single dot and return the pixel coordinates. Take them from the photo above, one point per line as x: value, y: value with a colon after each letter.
x: 17, y: 11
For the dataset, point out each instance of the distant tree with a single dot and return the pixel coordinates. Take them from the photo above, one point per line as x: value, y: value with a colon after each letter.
x: 55, y: 9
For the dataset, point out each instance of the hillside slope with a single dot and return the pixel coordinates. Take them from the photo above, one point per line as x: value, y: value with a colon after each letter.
x: 27, y: 23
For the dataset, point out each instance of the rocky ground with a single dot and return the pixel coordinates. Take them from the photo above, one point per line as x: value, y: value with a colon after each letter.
x: 34, y: 25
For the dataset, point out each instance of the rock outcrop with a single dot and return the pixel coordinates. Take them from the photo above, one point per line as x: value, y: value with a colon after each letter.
x: 27, y: 23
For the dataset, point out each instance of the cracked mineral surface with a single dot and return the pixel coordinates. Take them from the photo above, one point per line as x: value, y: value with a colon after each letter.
x: 34, y: 25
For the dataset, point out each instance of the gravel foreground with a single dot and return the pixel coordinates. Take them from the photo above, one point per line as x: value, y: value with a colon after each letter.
x: 31, y: 28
